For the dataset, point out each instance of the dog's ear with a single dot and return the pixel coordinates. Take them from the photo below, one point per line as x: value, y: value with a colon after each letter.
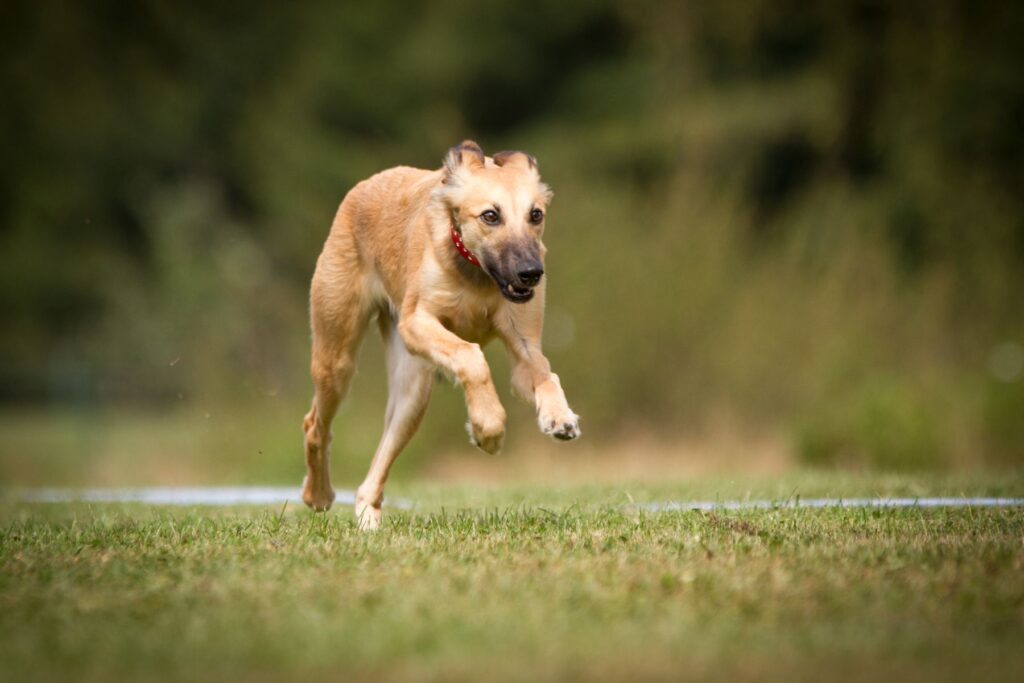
x: 521, y: 159
x: 465, y: 154
x: 525, y: 161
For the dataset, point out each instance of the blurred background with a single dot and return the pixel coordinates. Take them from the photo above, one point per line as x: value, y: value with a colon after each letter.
x: 784, y: 232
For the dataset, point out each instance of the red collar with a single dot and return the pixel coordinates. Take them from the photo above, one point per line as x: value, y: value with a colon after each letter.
x: 466, y: 253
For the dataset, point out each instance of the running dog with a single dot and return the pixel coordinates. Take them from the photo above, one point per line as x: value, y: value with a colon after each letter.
x: 446, y: 260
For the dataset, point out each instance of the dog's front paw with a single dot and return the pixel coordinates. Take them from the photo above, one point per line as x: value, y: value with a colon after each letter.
x: 488, y: 438
x: 486, y: 426
x: 564, y: 428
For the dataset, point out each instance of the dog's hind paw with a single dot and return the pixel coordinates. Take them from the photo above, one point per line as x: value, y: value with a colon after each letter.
x: 319, y: 499
x: 566, y: 429
x: 368, y: 517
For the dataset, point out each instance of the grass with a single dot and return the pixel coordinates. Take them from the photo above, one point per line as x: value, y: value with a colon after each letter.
x: 522, y: 584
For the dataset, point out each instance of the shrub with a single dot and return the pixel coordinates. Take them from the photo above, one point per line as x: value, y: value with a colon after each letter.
x: 883, y: 424
x: 1002, y: 418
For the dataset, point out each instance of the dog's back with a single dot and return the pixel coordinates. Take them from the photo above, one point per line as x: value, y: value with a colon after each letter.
x: 378, y: 217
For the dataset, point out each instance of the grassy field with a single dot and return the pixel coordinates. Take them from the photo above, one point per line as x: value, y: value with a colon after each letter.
x: 522, y: 583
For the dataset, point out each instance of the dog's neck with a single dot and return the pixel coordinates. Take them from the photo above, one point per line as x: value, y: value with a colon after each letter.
x: 461, y: 248
x: 462, y: 260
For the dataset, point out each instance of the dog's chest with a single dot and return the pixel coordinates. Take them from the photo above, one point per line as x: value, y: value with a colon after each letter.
x: 472, y: 324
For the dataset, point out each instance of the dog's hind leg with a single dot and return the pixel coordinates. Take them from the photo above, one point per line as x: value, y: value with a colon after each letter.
x: 339, y: 317
x: 410, y: 380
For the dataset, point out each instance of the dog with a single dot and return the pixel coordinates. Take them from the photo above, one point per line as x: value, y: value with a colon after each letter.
x: 446, y: 260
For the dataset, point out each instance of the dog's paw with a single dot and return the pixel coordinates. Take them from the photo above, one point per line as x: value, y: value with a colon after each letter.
x: 565, y: 428
x: 489, y: 439
x: 368, y: 507
x: 368, y: 516
x: 318, y: 499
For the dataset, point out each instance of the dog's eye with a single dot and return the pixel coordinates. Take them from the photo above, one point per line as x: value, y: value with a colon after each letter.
x: 491, y: 217
x: 536, y: 216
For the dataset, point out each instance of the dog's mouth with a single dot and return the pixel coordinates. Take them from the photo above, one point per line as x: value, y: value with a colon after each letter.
x: 514, y: 293
x: 517, y: 295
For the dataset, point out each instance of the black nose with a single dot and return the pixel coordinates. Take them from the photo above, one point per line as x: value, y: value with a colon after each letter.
x: 530, y: 276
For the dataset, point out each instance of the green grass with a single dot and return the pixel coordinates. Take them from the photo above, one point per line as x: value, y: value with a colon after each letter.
x: 520, y: 584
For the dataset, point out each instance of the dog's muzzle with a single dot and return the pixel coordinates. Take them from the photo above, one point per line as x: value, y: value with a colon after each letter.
x: 518, y: 289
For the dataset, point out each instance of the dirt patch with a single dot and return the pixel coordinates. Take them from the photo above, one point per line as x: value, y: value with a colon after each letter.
x: 640, y: 457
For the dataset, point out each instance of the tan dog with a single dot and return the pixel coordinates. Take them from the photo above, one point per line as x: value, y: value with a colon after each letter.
x: 446, y: 260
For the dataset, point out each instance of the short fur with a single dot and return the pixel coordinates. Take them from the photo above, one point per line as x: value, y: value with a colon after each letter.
x: 390, y: 254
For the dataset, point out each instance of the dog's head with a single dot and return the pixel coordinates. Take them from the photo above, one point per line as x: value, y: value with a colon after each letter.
x: 499, y: 205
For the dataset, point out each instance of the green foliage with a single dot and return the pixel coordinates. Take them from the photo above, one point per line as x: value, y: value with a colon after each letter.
x: 754, y: 204
x: 1004, y: 421
x: 883, y: 425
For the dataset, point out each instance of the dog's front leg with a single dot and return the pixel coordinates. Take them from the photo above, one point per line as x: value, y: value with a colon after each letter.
x: 425, y: 336
x: 532, y: 379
